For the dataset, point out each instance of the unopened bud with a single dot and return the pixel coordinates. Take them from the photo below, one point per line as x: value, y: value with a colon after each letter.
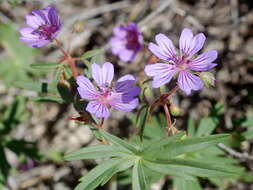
x: 64, y: 90
x: 207, y: 78
x: 79, y: 26
x: 175, y: 110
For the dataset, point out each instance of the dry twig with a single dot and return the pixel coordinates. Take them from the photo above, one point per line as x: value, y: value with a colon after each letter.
x: 242, y: 156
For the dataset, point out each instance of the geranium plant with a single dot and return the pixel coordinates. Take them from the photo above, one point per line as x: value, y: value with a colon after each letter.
x: 148, y: 155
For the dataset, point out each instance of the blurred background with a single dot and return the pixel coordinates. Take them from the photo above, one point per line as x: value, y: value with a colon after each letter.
x: 34, y: 135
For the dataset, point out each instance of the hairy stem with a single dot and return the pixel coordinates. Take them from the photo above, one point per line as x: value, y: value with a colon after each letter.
x: 168, y: 118
x: 68, y: 58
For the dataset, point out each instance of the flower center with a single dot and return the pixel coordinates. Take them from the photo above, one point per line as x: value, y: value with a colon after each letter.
x: 183, y: 63
x: 132, y: 40
x: 105, y: 93
x: 46, y: 31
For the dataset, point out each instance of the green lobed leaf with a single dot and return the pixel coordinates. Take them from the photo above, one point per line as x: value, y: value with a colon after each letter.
x: 138, y: 177
x: 99, y: 174
x: 168, y: 170
x: 181, y: 184
x: 45, y: 65
x: 117, y: 141
x: 123, y: 166
x: 97, y: 151
x: 155, y: 146
x: 193, y: 144
x: 191, y: 168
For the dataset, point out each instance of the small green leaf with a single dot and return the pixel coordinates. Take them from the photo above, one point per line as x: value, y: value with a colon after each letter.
x: 250, y: 58
x: 143, y: 120
x: 22, y: 147
x: 138, y: 177
x: 91, y: 53
x: 97, y: 151
x: 248, y: 134
x: 67, y: 71
x: 98, y: 58
x: 191, y: 127
x: 207, y: 126
x: 117, y: 141
x: 41, y: 87
x: 45, y: 65
x: 48, y: 99
x: 13, y: 115
x: 4, y: 165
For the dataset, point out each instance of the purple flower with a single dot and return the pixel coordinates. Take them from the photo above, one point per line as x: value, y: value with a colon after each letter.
x: 43, y: 26
x: 103, y: 95
x: 182, y: 64
x: 126, y: 42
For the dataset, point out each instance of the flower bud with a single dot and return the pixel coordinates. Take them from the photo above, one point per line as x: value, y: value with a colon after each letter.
x: 207, y: 78
x: 175, y: 110
x: 64, y: 90
x: 79, y: 26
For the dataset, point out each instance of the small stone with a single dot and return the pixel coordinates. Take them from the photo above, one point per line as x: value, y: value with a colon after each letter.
x: 215, y: 44
x: 235, y: 41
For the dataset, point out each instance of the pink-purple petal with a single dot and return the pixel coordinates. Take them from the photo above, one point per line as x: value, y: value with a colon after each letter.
x: 117, y: 45
x: 86, y: 89
x: 120, y: 32
x: 164, y: 78
x: 127, y: 42
x: 204, y: 61
x: 189, y: 44
x: 96, y: 72
x: 27, y: 33
x: 166, y: 46
x: 125, y: 107
x: 197, y: 44
x: 99, y: 109
x: 157, y: 69
x: 44, y: 26
x: 124, y: 83
x: 188, y: 81
x: 108, y: 73
x: 185, y: 41
x: 127, y: 77
x: 52, y: 16
x: 125, y: 86
x: 126, y: 55
x: 103, y: 76
x: 156, y: 50
x: 34, y: 21
x: 41, y: 14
